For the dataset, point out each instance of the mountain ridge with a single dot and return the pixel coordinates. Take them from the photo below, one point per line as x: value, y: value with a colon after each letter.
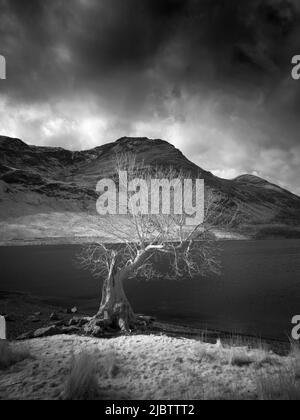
x: 39, y: 182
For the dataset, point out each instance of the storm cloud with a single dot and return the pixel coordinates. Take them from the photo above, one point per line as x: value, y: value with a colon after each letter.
x: 213, y: 77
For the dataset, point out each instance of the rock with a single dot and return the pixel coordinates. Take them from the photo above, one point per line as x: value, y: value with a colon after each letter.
x: 143, y: 322
x: 78, y: 322
x: 47, y: 332
x: 25, y: 336
x: 37, y: 314
x: 70, y: 330
x: 54, y: 317
x: 71, y: 311
x: 147, y: 319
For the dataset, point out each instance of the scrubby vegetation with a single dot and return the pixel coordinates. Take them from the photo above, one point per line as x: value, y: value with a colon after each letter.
x: 82, y: 383
x: 281, y: 386
x: 88, y: 370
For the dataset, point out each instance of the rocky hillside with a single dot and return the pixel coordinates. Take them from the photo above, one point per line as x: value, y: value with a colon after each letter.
x: 50, y: 192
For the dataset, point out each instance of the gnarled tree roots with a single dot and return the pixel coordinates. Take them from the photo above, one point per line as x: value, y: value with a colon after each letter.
x: 101, y: 324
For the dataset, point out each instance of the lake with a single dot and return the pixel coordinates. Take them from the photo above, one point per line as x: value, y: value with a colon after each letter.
x: 258, y: 292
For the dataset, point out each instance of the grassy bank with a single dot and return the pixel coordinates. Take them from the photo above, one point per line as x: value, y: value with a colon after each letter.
x: 149, y: 367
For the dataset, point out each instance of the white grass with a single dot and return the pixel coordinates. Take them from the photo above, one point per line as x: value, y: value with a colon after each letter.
x: 89, y: 370
x: 82, y: 383
x: 282, y: 386
x: 295, y: 356
x: 237, y: 356
x: 285, y: 383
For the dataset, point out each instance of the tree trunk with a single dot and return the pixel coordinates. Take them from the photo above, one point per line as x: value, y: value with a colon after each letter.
x: 115, y: 310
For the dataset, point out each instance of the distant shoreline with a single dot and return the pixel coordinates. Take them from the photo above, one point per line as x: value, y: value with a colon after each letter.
x: 88, y: 240
x: 84, y: 240
x: 50, y: 241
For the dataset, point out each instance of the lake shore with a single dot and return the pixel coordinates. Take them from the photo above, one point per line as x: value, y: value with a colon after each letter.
x: 26, y: 313
x: 163, y: 361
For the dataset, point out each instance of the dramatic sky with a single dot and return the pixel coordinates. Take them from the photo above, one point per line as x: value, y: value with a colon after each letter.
x: 213, y: 77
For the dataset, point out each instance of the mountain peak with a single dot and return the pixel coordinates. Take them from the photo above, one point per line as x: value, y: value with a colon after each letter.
x: 128, y: 139
x: 141, y: 140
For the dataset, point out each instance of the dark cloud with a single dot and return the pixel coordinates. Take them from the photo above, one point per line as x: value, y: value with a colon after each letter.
x: 78, y: 44
x: 206, y: 74
x: 82, y: 43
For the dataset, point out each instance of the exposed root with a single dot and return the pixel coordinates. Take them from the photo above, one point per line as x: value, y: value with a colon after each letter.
x: 99, y: 325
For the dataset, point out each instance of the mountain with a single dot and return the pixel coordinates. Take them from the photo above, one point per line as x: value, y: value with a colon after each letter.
x: 50, y: 192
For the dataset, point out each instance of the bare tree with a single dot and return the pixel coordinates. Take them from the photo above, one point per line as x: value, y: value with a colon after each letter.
x: 132, y: 245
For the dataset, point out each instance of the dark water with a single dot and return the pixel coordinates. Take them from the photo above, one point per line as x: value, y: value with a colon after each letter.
x: 258, y: 292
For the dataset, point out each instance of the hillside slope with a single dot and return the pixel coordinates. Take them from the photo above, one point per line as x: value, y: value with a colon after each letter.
x: 50, y: 192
